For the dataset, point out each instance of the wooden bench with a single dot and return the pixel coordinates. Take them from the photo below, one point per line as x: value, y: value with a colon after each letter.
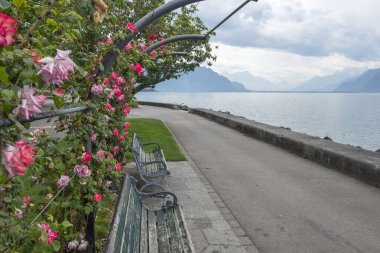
x: 137, y: 228
x: 151, y: 164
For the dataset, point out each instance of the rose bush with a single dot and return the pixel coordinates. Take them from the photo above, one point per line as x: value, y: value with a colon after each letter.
x: 54, y: 49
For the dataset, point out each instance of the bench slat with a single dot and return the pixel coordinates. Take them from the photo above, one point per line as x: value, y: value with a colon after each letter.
x: 128, y: 221
x: 135, y: 238
x: 174, y: 233
x: 162, y: 232
x: 153, y: 245
x: 188, y: 247
x: 144, y: 231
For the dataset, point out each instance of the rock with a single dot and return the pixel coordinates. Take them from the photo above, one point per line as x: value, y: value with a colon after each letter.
x: 327, y: 138
x: 378, y: 151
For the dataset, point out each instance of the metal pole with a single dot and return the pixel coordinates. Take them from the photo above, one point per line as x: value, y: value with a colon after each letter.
x: 178, y: 53
x: 229, y: 16
x: 175, y: 39
x: 112, y: 55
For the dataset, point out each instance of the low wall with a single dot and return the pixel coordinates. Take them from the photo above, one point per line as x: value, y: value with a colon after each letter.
x: 354, y: 161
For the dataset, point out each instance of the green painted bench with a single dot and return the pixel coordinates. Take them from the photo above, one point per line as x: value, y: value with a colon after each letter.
x: 137, y: 228
x: 151, y: 165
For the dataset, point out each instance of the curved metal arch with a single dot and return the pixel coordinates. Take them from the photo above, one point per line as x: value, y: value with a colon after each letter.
x: 149, y: 18
x: 175, y: 39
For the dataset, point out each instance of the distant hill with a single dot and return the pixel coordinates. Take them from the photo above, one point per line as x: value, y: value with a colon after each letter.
x: 201, y: 80
x: 251, y: 82
x: 326, y: 83
x: 369, y: 81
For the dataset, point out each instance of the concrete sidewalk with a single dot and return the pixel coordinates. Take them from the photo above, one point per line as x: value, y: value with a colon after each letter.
x: 283, y: 202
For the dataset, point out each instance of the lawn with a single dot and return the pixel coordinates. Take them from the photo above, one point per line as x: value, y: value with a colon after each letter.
x: 151, y: 130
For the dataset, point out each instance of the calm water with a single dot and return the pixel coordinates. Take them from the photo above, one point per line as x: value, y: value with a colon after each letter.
x: 346, y: 118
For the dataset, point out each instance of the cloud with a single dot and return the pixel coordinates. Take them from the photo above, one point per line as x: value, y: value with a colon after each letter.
x: 305, y: 27
x: 277, y: 65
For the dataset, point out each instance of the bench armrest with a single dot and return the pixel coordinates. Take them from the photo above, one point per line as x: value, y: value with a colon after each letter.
x: 150, y: 144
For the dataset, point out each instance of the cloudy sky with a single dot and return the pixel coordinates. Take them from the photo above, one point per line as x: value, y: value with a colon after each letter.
x: 294, y: 40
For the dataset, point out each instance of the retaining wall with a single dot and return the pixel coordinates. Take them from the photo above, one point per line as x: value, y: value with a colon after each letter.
x: 359, y: 163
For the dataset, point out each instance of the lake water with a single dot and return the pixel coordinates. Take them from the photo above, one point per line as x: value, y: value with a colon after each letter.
x: 346, y: 118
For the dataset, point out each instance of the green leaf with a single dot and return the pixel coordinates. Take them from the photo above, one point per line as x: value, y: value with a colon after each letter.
x: 18, y: 3
x: 3, y: 75
x: 56, y: 245
x: 4, y: 4
x: 58, y: 101
x: 101, y: 67
x: 67, y: 224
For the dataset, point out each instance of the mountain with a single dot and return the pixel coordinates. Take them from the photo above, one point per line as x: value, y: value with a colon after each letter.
x: 326, y: 83
x: 201, y: 80
x: 252, y: 82
x: 369, y: 81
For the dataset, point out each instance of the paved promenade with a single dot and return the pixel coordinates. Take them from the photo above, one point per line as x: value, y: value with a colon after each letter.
x: 283, y: 202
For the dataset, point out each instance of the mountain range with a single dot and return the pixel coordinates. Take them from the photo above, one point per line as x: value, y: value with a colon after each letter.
x: 206, y: 80
x: 201, y: 80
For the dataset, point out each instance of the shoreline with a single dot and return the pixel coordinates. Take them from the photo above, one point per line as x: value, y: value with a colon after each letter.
x: 354, y: 161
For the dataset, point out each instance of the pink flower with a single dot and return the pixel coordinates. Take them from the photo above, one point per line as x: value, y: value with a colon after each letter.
x: 139, y: 69
x: 86, y: 157
x: 127, y: 47
x: 110, y: 107
x: 19, y: 213
x: 30, y: 104
x: 120, y: 98
x: 120, y: 81
x: 110, y: 156
x: 143, y: 46
x: 127, y: 125
x: 101, y: 154
x: 118, y: 167
x: 115, y: 149
x: 133, y: 81
x: 114, y: 75
x: 96, y: 89
x: 93, y: 137
x: 109, y: 41
x: 73, y: 245
x: 132, y: 66
x: 63, y: 181
x: 97, y: 197
x: 131, y: 27
x: 7, y: 29
x: 107, y: 80
x: 127, y: 109
x: 115, y: 132
x: 59, y: 92
x: 57, y: 70
x: 82, y: 171
x: 163, y: 46
x: 121, y: 138
x: 26, y: 199
x: 152, y: 37
x: 18, y: 158
x: 153, y: 53
x: 83, y: 246
x: 52, y: 235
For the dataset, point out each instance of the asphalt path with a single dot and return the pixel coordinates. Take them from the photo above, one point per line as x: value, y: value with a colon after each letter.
x: 283, y: 202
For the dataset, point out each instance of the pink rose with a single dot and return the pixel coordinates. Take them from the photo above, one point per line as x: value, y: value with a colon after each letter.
x: 101, y: 154
x: 132, y: 66
x: 143, y: 46
x: 19, y: 213
x: 160, y: 39
x: 26, y: 199
x: 152, y: 37
x: 110, y: 156
x: 115, y: 132
x: 93, y: 137
x: 130, y: 26
x: 121, y: 138
x: 30, y: 104
x: 59, y: 92
x: 82, y: 171
x: 63, y: 181
x: 109, y: 41
x: 7, y: 29
x: 120, y: 81
x: 96, y: 89
x: 57, y: 70
x: 133, y: 81
x: 153, y: 53
x: 115, y: 149
x: 86, y: 157
x: 120, y: 98
x: 107, y: 80
x: 127, y: 125
x: 18, y: 158
x: 117, y: 167
x: 139, y: 69
x: 52, y: 235
x: 97, y: 197
x: 127, y: 47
